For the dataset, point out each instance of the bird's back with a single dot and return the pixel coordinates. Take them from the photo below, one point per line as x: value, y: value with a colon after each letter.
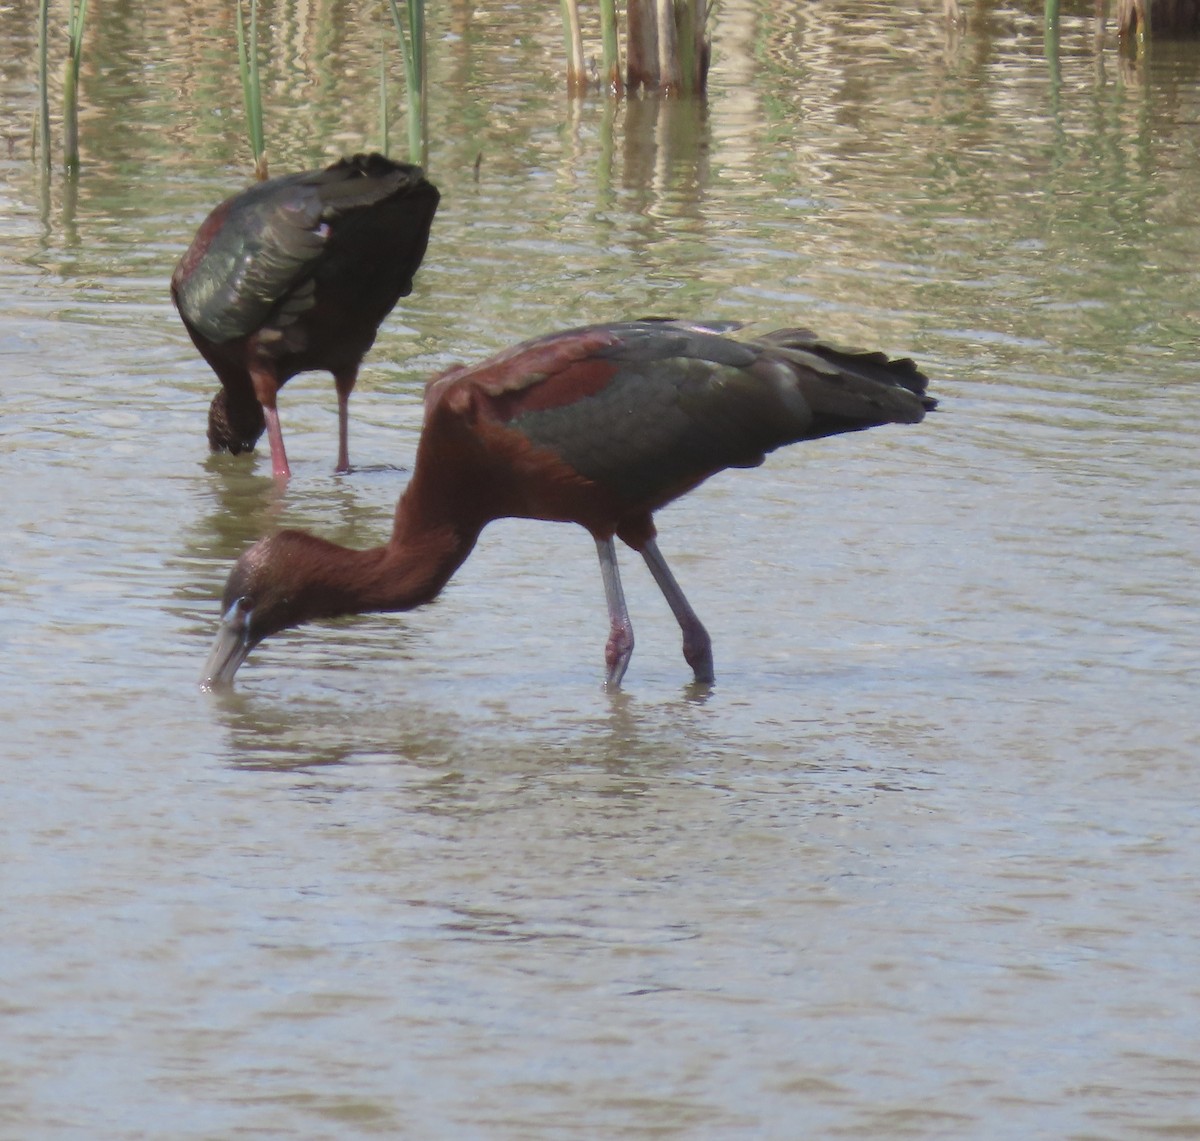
x: 379, y: 215
x: 645, y: 410
x: 349, y: 237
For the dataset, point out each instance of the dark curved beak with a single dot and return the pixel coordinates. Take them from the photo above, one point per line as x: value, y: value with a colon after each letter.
x: 230, y: 648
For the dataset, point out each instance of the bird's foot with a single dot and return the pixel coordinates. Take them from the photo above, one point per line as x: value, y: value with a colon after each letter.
x: 697, y: 652
x: 617, y: 653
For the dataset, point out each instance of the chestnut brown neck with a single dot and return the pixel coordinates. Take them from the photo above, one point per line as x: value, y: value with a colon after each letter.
x: 447, y: 503
x: 407, y: 571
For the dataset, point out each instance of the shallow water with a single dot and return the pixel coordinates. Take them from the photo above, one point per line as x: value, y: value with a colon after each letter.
x: 921, y: 864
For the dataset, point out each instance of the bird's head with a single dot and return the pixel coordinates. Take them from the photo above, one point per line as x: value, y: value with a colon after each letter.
x: 230, y: 432
x: 260, y: 599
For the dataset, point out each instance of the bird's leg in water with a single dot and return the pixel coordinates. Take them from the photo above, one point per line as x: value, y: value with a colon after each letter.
x: 345, y: 382
x: 619, y: 648
x: 265, y: 389
x: 697, y: 645
x: 279, y: 462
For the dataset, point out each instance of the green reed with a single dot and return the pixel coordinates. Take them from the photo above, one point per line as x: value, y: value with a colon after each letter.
x: 573, y: 37
x: 385, y: 145
x: 247, y: 44
x: 410, y: 28
x: 690, y: 17
x: 610, y: 59
x: 43, y: 50
x: 71, y: 85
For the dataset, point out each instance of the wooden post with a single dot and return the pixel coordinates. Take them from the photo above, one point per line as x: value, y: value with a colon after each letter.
x: 641, y: 50
x: 670, y: 79
x: 668, y: 48
x: 1158, y: 18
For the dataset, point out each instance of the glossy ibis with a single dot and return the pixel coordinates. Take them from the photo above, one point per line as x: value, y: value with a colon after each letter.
x: 295, y: 274
x: 598, y: 426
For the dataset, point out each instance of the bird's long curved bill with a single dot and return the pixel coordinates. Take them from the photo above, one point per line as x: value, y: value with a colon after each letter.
x: 230, y: 648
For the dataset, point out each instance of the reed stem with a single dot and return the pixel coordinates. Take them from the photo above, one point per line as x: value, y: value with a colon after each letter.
x: 412, y: 51
x: 573, y: 35
x: 418, y: 131
x: 611, y: 57
x: 383, y: 98
x: 43, y: 49
x: 670, y: 74
x: 71, y: 86
x: 251, y: 86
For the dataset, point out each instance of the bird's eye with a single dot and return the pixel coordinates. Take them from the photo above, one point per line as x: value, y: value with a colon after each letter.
x: 238, y: 610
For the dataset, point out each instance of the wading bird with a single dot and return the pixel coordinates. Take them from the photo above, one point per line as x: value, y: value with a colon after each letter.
x: 598, y: 426
x: 296, y: 274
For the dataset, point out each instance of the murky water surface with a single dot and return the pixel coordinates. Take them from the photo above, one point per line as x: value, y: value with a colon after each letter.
x: 923, y: 863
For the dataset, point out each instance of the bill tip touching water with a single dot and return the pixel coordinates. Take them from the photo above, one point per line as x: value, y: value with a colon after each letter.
x: 599, y: 426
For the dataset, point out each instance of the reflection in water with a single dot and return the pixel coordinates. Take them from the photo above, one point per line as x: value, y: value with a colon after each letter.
x: 246, y: 506
x: 665, y: 150
x: 622, y: 737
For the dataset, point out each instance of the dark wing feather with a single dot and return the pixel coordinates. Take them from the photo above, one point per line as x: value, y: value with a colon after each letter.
x: 861, y: 374
x: 253, y: 259
x: 658, y: 427
x: 678, y: 403
x: 258, y: 244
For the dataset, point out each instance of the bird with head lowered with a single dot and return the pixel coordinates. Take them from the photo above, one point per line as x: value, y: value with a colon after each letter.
x: 297, y: 274
x: 599, y: 426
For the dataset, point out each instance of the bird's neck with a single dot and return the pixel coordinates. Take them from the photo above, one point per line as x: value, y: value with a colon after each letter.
x: 420, y: 558
x: 435, y: 530
x: 408, y: 571
x: 320, y: 579
x: 438, y: 520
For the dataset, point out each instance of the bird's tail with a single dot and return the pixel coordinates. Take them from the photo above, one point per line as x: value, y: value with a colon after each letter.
x: 862, y: 384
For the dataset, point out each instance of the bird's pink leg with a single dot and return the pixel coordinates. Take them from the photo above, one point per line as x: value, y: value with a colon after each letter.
x: 279, y: 462
x: 697, y: 645
x: 265, y: 389
x: 619, y: 648
x: 345, y: 382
